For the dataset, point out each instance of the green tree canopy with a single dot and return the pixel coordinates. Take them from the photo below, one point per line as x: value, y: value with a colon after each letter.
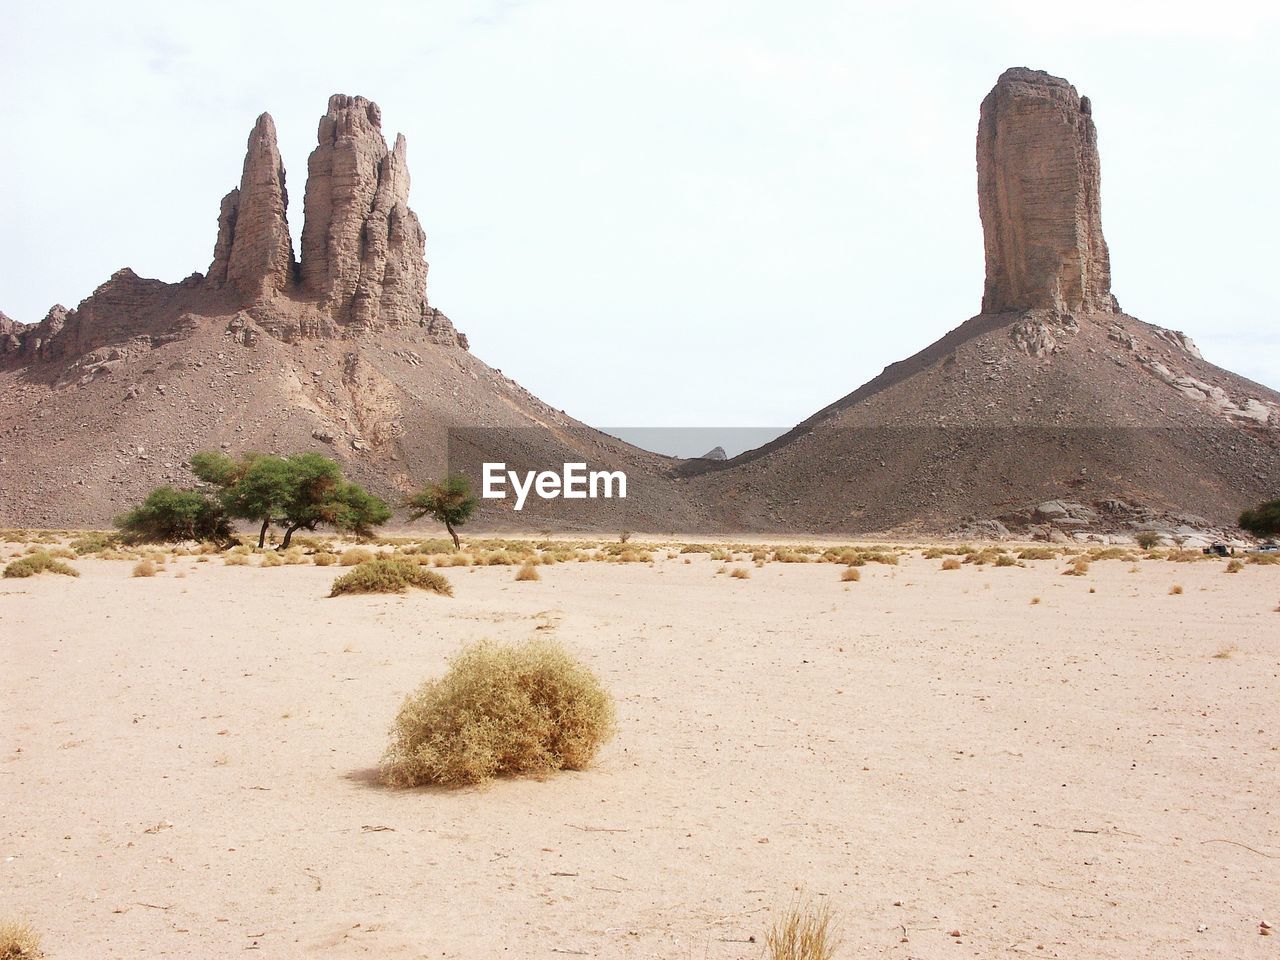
x: 449, y: 501
x: 299, y: 492
x: 169, y: 515
x: 1263, y: 520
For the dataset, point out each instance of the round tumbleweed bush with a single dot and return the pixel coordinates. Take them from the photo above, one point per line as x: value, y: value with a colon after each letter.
x: 529, y: 708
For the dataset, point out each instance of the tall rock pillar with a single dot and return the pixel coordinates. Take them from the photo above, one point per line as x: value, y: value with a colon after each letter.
x: 254, y: 252
x: 1039, y: 198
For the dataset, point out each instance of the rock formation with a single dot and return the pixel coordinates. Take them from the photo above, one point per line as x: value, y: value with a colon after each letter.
x: 254, y: 252
x: 362, y: 247
x: 362, y: 263
x: 1038, y: 196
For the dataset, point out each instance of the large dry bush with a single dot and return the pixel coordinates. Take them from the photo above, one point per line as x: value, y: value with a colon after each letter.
x: 500, y: 710
x: 802, y: 932
x: 390, y: 575
x: 355, y: 555
x: 18, y: 941
x: 39, y: 562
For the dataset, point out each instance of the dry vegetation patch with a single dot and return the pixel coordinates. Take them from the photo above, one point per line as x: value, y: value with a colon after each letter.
x: 39, y: 562
x: 850, y: 575
x: 528, y: 572
x: 390, y: 575
x: 144, y: 568
x: 500, y: 710
x: 18, y: 941
x: 802, y: 932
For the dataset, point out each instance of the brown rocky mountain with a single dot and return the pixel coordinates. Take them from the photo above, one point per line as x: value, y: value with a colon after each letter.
x: 1052, y: 411
x: 340, y: 353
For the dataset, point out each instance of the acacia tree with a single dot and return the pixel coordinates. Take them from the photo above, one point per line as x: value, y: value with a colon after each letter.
x: 1263, y: 520
x: 319, y: 495
x: 449, y: 501
x: 255, y: 487
x: 300, y: 492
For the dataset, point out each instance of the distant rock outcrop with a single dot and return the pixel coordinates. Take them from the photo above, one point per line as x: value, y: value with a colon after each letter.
x: 1039, y: 198
x: 715, y: 453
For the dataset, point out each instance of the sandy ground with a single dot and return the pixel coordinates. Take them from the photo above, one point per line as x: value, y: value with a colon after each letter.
x: 187, y: 766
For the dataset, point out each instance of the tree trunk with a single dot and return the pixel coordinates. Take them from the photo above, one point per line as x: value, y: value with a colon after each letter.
x: 288, y: 535
x: 262, y: 534
x: 457, y: 544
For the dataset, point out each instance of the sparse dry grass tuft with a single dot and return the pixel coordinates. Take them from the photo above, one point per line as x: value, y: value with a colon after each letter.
x: 1175, y: 590
x: 802, y: 932
x: 528, y: 572
x: 324, y: 559
x: 850, y: 575
x: 1226, y: 652
x: 144, y: 568
x: 1038, y: 553
x: 1079, y: 567
x: 386, y: 575
x: 1034, y: 601
x: 951, y: 563
x: 18, y: 941
x: 355, y: 555
x: 1234, y: 565
x: 740, y: 573
x: 500, y: 710
x: 234, y: 559
x: 272, y: 559
x: 39, y: 562
x: 1264, y: 558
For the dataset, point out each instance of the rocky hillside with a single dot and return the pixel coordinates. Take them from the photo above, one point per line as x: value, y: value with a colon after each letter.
x: 339, y: 352
x: 1051, y: 396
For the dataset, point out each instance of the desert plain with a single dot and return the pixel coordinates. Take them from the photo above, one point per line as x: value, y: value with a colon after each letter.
x: 984, y: 761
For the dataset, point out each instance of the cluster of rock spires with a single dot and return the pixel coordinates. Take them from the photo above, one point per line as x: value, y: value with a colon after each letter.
x: 362, y: 265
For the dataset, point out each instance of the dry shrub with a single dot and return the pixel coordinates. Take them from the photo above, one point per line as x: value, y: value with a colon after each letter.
x: 1034, y: 601
x: 272, y: 559
x: 93, y: 542
x: 1264, y: 558
x: 39, y: 562
x: 789, y: 556
x: 850, y: 575
x: 1038, y: 553
x: 294, y: 556
x: 802, y: 932
x: 951, y: 563
x: 500, y: 710
x: 1234, y: 566
x: 324, y: 559
x: 528, y: 572
x: 881, y: 556
x: 390, y: 575
x: 1079, y: 567
x: 355, y: 555
x: 234, y: 559
x: 62, y: 553
x: 740, y: 573
x: 144, y: 568
x: 18, y: 941
x: 1175, y: 590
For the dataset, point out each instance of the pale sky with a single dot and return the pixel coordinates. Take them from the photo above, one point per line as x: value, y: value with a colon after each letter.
x: 724, y: 213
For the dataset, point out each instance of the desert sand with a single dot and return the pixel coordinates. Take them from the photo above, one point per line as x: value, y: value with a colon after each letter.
x: 188, y: 765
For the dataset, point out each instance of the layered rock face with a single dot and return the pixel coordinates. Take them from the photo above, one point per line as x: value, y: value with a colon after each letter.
x: 1039, y: 198
x: 362, y: 268
x: 254, y: 252
x: 362, y: 247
